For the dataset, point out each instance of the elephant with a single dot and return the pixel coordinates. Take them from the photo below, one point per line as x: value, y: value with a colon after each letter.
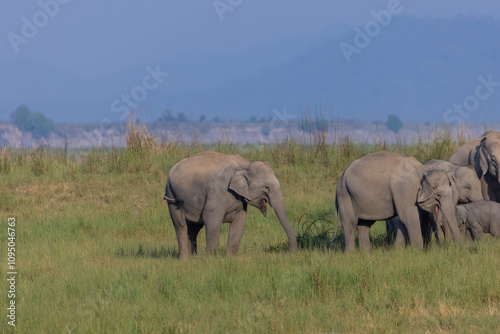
x: 483, y: 154
x: 466, y: 181
x: 479, y: 217
x: 210, y: 188
x: 466, y: 185
x: 382, y: 185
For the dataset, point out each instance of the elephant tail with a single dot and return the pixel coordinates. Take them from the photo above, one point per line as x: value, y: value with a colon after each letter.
x: 177, y: 203
x: 331, y: 243
x: 170, y: 195
x: 169, y: 200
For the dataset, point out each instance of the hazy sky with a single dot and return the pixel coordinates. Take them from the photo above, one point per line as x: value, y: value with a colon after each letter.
x: 98, y: 37
x: 95, y: 39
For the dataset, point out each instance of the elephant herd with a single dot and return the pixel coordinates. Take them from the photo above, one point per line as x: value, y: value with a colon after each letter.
x: 415, y: 199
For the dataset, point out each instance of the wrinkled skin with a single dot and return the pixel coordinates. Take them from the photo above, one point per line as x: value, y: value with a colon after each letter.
x: 211, y: 188
x: 466, y: 185
x: 483, y: 155
x: 383, y: 185
x: 396, y: 232
x: 465, y: 178
x: 479, y: 217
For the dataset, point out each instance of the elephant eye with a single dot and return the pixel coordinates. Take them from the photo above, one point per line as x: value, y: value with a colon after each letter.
x: 438, y: 194
x: 267, y: 189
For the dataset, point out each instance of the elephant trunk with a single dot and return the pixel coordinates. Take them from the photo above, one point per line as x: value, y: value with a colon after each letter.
x: 278, y: 204
x: 449, y: 221
x: 440, y: 232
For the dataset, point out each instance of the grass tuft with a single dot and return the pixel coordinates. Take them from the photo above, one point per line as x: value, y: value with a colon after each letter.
x: 97, y: 251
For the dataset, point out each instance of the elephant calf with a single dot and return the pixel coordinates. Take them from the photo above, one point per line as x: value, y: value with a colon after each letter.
x: 211, y: 188
x: 479, y: 217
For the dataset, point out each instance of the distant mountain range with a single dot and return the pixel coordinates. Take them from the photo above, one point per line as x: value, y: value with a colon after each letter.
x: 417, y: 68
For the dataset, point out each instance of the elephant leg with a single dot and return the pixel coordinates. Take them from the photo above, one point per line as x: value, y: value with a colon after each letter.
x: 364, y: 235
x: 401, y: 235
x: 181, y: 230
x: 212, y: 216
x: 476, y: 229
x: 193, y: 230
x: 348, y: 228
x: 236, y: 229
x: 428, y: 225
x: 468, y: 235
x: 396, y: 232
x: 349, y: 222
x: 410, y: 215
x: 494, y: 229
x: 390, y: 229
x: 212, y: 232
x: 411, y: 220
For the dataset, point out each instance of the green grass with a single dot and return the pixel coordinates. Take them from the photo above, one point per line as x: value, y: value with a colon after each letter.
x: 97, y: 253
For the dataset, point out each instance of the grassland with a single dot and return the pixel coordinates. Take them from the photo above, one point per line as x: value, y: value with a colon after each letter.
x: 97, y: 252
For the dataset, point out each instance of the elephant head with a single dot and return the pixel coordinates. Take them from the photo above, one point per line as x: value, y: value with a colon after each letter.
x: 487, y: 155
x: 436, y: 196
x: 258, y: 185
x: 468, y: 185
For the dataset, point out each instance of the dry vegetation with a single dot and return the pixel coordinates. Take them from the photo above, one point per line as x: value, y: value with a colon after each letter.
x: 97, y: 251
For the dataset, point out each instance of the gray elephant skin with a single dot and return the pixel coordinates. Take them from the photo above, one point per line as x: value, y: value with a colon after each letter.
x: 483, y: 155
x: 466, y: 181
x: 479, y: 217
x: 210, y: 188
x: 383, y: 185
x: 468, y: 189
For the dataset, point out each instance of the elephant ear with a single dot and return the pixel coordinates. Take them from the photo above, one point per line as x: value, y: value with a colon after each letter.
x: 481, y: 158
x: 453, y: 185
x: 239, y: 184
x: 267, y: 164
x: 424, y: 193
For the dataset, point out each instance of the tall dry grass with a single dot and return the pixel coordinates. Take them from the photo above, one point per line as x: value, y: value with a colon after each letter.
x: 98, y: 254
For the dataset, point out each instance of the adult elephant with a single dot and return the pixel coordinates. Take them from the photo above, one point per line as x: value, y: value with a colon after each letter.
x: 382, y: 185
x: 483, y: 155
x: 211, y: 188
x: 466, y: 188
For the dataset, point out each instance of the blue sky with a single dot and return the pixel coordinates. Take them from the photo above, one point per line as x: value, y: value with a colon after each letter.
x: 94, y: 39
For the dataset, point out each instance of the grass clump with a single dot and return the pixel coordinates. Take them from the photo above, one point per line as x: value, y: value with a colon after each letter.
x: 5, y: 160
x: 97, y: 251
